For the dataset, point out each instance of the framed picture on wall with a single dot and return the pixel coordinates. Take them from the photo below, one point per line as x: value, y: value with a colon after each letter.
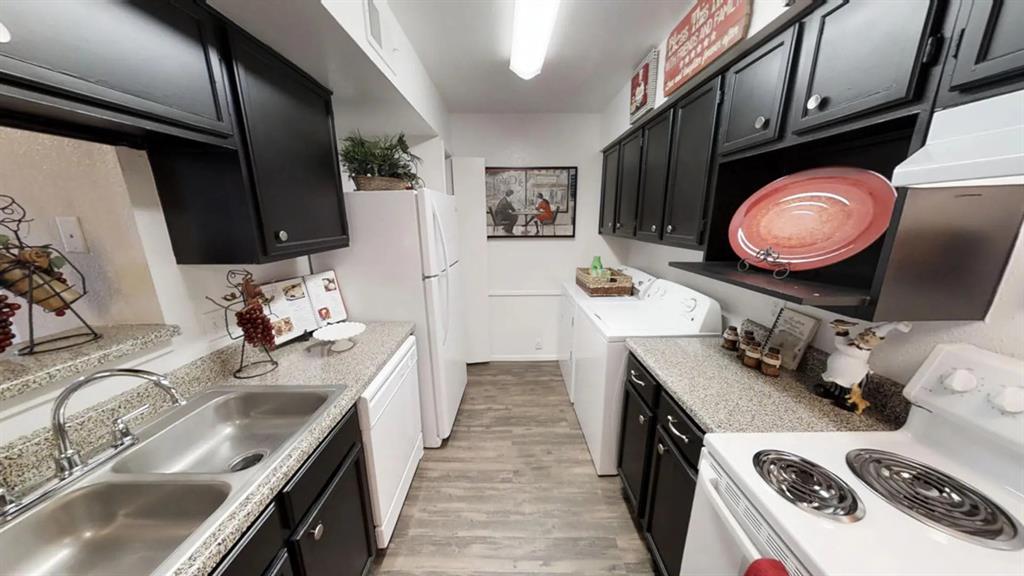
x: 531, y: 202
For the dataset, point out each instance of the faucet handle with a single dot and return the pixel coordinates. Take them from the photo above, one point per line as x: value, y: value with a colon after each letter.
x: 122, y: 435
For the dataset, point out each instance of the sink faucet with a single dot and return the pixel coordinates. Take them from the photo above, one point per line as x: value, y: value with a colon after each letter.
x: 68, y: 459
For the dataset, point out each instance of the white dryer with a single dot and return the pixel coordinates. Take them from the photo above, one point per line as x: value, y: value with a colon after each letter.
x: 599, y: 354
x: 573, y: 298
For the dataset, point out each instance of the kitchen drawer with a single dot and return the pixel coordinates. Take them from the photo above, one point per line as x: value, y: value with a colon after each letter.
x: 255, y: 552
x: 308, y: 483
x: 681, y: 429
x: 642, y: 381
x: 336, y: 537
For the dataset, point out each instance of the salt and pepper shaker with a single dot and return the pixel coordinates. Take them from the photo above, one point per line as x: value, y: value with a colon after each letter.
x: 771, y: 362
x: 752, y: 357
x: 731, y: 339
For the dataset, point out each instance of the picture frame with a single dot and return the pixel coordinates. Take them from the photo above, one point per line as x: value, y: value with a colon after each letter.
x: 531, y: 202
x: 643, y: 87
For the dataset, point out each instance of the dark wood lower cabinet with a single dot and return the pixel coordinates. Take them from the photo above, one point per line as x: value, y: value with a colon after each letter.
x: 336, y: 539
x: 321, y: 523
x: 638, y: 425
x: 669, y: 502
x: 658, y: 454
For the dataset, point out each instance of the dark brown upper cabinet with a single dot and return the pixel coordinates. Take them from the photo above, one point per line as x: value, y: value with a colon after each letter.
x: 609, y: 190
x: 693, y: 137
x: 755, y: 91
x: 631, y: 158
x: 294, y: 158
x: 989, y: 43
x: 654, y: 176
x: 157, y: 61
x: 855, y: 57
x: 279, y: 194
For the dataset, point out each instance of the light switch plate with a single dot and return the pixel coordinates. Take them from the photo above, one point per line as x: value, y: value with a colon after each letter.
x: 71, y: 235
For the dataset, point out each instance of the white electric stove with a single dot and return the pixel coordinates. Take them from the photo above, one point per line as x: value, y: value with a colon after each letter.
x: 942, y: 495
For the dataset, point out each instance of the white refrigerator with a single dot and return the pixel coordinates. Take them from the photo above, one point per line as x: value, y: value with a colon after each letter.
x: 403, y: 264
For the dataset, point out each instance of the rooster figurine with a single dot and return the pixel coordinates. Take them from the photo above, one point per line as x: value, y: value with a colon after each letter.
x: 848, y: 366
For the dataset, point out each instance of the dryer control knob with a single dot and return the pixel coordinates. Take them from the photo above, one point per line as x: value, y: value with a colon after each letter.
x: 960, y: 380
x: 1010, y: 400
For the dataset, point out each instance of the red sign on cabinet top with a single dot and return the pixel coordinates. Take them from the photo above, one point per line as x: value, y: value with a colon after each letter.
x: 710, y: 28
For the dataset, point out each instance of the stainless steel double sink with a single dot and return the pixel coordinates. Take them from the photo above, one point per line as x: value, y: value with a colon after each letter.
x: 148, y: 508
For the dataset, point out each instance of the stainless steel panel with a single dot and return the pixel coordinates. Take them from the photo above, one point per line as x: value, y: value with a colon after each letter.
x: 950, y: 252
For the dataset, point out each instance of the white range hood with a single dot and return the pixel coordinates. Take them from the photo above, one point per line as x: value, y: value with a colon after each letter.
x: 960, y: 214
x: 982, y: 140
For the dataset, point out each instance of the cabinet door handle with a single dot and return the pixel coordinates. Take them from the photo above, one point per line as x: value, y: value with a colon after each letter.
x: 632, y: 376
x: 618, y: 225
x: 814, y: 101
x: 317, y: 532
x: 760, y: 123
x: 281, y: 235
x: 654, y: 228
x: 671, y: 426
x: 661, y: 448
x: 668, y: 229
x: 643, y: 419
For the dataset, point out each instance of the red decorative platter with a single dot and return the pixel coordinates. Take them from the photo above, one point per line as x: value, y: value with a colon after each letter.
x: 813, y: 218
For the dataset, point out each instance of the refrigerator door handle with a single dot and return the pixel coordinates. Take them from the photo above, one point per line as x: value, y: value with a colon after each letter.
x: 444, y: 270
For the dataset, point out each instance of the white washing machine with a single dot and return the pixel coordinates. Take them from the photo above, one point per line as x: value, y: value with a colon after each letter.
x: 598, y: 352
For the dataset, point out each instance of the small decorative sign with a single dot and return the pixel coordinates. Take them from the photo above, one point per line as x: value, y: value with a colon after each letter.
x: 710, y: 28
x: 643, y: 87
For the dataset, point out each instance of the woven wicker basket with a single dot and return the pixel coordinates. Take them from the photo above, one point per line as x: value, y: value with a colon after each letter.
x: 379, y: 183
x: 616, y: 284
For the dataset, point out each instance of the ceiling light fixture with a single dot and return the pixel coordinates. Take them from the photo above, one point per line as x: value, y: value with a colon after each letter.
x: 532, y: 24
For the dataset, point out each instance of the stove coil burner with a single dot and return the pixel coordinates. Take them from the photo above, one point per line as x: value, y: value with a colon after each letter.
x: 936, y: 499
x: 809, y: 485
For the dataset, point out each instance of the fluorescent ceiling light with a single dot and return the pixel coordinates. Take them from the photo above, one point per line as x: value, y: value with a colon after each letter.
x: 532, y: 25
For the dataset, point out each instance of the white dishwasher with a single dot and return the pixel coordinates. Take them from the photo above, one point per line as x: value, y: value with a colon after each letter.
x: 389, y: 419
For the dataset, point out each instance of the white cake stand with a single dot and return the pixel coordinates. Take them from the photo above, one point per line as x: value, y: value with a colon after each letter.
x: 338, y: 336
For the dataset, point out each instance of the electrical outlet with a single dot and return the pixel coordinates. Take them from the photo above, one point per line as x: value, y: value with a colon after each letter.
x: 538, y: 345
x: 71, y: 235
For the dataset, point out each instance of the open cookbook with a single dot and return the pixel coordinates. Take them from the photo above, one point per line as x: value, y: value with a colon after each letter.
x: 299, y: 305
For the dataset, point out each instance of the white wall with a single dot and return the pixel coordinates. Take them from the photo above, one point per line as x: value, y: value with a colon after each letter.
x: 900, y: 357
x: 398, y: 59
x: 525, y: 275
x: 179, y: 290
x: 51, y: 176
x: 615, y: 118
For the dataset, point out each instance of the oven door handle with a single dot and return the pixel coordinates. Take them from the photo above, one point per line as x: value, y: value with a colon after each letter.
x: 707, y: 481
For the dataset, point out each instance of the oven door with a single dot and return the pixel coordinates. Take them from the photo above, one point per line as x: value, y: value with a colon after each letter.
x: 716, y: 544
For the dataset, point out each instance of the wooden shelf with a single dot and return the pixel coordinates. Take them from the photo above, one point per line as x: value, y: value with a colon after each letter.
x: 789, y: 289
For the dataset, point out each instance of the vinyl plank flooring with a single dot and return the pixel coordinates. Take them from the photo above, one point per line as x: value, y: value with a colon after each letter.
x: 513, y: 490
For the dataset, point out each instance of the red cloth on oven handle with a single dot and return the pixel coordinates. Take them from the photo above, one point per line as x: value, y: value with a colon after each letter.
x: 766, y: 567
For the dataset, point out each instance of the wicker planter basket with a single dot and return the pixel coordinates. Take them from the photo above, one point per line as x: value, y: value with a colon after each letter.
x: 616, y: 284
x: 379, y: 183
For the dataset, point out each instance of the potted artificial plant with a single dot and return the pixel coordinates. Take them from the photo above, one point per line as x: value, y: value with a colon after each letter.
x: 382, y: 163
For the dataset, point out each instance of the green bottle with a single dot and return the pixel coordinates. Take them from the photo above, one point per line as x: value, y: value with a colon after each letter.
x: 596, y: 267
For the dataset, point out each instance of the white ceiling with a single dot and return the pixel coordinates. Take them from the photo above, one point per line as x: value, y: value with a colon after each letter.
x: 464, y: 45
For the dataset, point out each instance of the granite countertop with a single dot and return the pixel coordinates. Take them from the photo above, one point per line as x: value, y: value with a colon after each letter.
x: 30, y: 458
x: 19, y: 374
x: 302, y: 364
x: 722, y: 395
